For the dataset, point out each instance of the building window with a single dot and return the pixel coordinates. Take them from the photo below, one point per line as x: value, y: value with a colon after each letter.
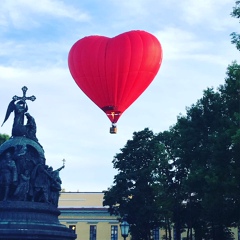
x: 93, y: 232
x: 155, y: 234
x: 114, y: 232
x: 73, y: 227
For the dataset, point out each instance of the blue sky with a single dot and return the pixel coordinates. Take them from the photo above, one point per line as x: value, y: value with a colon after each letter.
x: 35, y: 39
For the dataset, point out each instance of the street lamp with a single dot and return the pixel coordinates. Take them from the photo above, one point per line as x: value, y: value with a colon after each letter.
x: 124, y: 226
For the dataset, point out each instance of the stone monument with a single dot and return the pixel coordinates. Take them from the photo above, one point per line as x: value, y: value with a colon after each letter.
x: 29, y: 189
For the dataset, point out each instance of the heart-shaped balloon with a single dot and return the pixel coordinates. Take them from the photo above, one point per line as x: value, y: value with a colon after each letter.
x: 114, y: 72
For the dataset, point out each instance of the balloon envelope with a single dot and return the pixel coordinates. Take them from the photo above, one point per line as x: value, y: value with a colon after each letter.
x: 114, y: 72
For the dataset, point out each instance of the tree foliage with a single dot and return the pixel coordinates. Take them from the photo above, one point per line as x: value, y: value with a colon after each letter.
x: 3, y: 138
x: 235, y: 36
x: 132, y: 192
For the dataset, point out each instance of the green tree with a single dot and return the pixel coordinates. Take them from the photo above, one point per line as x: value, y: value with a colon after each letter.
x: 230, y: 92
x: 133, y: 192
x: 3, y: 138
x: 206, y: 145
x: 209, y: 150
x: 235, y: 36
x: 171, y: 174
x: 204, y: 149
x: 211, y: 164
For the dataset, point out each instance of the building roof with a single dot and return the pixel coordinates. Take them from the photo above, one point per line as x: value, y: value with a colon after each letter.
x: 81, y: 200
x: 84, y: 207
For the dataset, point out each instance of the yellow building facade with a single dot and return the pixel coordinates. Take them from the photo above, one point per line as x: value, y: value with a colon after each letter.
x: 84, y: 213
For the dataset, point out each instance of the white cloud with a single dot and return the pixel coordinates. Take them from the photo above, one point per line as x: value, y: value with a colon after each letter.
x: 134, y: 7
x: 198, y: 11
x: 24, y: 14
x: 178, y: 43
x: 31, y: 53
x: 208, y: 13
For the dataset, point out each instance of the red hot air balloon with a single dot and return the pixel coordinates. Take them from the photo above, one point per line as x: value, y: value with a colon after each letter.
x: 114, y: 72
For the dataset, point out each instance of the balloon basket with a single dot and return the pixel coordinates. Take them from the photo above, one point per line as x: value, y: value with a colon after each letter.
x: 113, y: 130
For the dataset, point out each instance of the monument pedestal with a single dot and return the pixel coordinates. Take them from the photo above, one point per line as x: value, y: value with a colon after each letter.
x: 23, y: 220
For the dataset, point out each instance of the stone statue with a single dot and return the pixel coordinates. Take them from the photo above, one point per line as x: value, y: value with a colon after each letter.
x: 29, y: 189
x: 55, y: 186
x: 22, y: 190
x: 24, y: 176
x: 19, y: 107
x: 8, y: 174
